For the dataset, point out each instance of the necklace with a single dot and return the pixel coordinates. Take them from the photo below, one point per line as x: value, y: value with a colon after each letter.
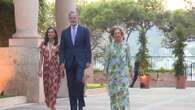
x: 50, y: 45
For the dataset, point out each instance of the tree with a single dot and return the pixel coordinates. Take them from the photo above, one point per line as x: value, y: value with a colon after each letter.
x: 46, y: 16
x: 101, y: 16
x: 178, y: 50
x: 178, y: 27
x: 144, y: 17
x: 190, y: 6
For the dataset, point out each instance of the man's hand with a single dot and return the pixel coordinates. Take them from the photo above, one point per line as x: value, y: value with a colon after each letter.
x: 87, y: 65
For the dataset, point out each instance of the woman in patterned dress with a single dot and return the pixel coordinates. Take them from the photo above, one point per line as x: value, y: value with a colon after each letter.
x: 117, y: 60
x: 49, y: 67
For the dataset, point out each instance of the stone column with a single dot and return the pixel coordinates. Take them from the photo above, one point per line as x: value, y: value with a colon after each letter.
x: 24, y: 54
x: 63, y: 7
x: 26, y: 19
x: 26, y: 14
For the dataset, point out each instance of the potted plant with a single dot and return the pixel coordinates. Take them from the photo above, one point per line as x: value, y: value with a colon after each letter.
x: 142, y: 57
x: 178, y: 51
x: 144, y: 18
x: 144, y: 81
x: 178, y: 27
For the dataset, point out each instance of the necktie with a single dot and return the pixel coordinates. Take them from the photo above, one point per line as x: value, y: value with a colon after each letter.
x: 73, y: 34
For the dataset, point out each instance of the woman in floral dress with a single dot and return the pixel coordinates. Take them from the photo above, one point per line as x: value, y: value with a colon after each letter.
x: 49, y: 67
x: 117, y: 60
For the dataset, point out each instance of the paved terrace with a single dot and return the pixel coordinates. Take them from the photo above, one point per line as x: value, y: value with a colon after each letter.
x: 141, y: 99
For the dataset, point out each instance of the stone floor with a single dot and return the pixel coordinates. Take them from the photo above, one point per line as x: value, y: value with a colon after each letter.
x: 141, y: 99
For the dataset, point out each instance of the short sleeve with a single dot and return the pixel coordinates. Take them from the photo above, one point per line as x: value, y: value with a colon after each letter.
x: 128, y: 54
x: 57, y: 49
x: 106, y: 58
x: 41, y: 48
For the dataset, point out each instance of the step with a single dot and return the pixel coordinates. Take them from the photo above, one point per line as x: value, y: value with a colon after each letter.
x: 11, y: 101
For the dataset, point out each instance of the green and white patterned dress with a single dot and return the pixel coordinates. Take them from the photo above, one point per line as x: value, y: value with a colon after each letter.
x: 117, y: 60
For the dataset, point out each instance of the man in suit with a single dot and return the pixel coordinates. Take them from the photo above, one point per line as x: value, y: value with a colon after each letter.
x: 75, y: 56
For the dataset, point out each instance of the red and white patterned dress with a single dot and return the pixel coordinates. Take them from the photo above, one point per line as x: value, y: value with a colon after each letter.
x: 51, y: 73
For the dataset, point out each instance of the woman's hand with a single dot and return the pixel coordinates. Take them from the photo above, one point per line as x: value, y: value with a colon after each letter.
x: 87, y: 65
x: 62, y: 74
x: 106, y: 76
x: 40, y: 73
x: 62, y: 71
x: 62, y: 67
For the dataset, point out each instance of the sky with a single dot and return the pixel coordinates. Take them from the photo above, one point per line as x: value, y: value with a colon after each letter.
x: 174, y: 4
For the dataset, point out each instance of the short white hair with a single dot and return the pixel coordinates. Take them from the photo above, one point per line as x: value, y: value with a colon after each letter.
x: 72, y: 13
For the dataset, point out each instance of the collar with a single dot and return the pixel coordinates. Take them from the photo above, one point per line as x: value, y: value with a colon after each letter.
x: 76, y: 26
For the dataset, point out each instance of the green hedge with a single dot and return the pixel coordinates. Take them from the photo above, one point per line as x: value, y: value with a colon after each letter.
x: 95, y: 85
x: 161, y: 70
x: 2, y: 96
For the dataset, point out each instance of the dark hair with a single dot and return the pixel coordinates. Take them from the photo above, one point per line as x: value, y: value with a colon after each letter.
x: 115, y: 28
x: 46, y: 39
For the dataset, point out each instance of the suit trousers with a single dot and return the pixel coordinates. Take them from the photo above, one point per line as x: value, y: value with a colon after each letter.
x: 75, y: 74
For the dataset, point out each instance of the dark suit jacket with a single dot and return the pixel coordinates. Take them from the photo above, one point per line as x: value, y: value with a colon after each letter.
x: 81, y: 51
